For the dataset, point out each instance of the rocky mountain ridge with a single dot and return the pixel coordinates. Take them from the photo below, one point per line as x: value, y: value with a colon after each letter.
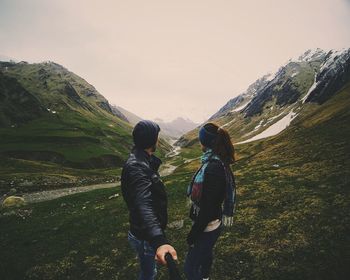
x: 273, y: 101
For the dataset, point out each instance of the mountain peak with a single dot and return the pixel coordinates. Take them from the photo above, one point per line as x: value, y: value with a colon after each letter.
x: 177, y: 127
x: 310, y: 54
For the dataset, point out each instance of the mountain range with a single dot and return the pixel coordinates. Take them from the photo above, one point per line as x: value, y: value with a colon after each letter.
x: 273, y: 101
x: 177, y: 127
x: 291, y: 135
x: 170, y: 130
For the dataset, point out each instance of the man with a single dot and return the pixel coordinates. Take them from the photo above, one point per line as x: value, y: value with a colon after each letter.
x: 145, y: 196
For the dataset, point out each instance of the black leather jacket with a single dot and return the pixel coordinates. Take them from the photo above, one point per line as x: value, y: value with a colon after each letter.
x: 145, y: 196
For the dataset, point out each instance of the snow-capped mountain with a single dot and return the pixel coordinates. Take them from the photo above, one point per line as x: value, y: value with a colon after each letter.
x: 238, y: 103
x: 332, y: 76
x: 272, y: 102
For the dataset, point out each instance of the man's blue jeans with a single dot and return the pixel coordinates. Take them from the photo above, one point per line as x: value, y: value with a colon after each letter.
x: 146, y: 256
x: 200, y: 257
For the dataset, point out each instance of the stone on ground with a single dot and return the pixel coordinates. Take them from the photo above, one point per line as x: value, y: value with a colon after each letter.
x: 13, y: 201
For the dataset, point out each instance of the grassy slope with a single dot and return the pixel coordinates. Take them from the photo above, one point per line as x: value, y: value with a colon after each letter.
x: 81, y: 140
x: 294, y: 218
x: 292, y: 221
x: 78, y: 142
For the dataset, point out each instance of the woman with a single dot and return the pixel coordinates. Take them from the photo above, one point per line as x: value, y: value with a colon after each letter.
x: 212, y: 186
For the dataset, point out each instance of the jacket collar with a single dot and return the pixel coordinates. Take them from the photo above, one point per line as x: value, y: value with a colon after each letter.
x: 153, y: 161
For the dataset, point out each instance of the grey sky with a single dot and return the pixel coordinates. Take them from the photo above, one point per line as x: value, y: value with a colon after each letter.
x: 165, y: 59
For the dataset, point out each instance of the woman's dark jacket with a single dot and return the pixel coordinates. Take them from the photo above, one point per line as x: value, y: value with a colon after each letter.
x: 145, y: 196
x: 213, y: 195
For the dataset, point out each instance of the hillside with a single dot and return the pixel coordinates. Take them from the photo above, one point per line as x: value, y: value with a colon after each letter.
x: 292, y: 218
x: 131, y: 117
x: 274, y: 100
x: 56, y: 129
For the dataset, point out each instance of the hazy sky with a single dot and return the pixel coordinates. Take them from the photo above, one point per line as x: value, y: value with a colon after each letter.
x: 165, y: 59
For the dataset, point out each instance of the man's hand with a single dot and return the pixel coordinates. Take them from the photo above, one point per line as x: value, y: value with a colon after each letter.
x: 162, y: 250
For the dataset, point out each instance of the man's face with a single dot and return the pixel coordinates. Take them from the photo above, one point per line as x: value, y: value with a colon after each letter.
x: 153, y: 149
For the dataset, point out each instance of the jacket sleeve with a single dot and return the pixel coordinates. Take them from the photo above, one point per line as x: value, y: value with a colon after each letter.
x: 212, y: 193
x: 141, y: 184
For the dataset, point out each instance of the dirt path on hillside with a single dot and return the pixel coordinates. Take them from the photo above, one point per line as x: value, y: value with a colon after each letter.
x: 53, y: 194
x: 168, y: 168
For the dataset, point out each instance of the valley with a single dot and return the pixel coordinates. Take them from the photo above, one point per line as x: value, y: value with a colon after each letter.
x: 291, y: 134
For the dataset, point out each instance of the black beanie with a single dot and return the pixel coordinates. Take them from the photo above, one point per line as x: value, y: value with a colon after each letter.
x: 145, y: 134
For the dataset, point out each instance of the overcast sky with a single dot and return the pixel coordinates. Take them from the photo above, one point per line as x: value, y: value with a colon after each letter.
x: 166, y: 59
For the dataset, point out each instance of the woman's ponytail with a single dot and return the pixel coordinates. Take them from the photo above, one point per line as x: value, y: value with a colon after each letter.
x: 222, y: 145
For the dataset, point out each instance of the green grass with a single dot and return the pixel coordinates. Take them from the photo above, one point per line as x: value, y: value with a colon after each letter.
x: 292, y: 220
x: 28, y: 176
x: 82, y: 236
x: 81, y: 141
x: 287, y: 226
x: 72, y: 146
x: 73, y: 140
x: 58, y: 239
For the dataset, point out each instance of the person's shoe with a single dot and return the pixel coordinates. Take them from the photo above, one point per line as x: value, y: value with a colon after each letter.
x: 206, y: 278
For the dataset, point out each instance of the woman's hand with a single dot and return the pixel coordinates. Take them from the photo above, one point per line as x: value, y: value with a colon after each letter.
x: 162, y: 250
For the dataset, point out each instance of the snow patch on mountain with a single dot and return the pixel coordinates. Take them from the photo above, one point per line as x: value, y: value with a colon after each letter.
x: 274, y: 129
x: 272, y: 118
x: 228, y: 123
x: 333, y: 56
x: 294, y: 74
x: 314, y: 85
x: 259, y: 125
x: 240, y: 108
